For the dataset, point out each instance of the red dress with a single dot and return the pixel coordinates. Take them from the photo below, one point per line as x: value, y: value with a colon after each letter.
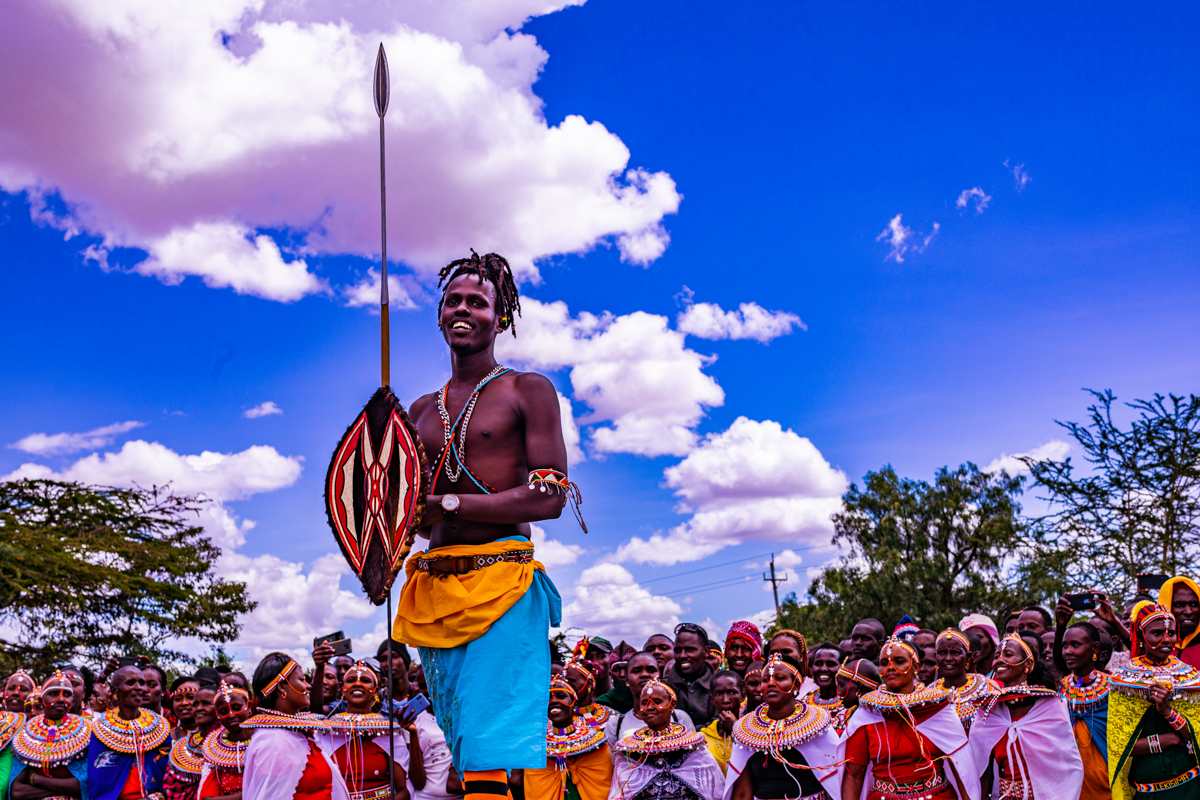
x: 317, y: 781
x: 904, y: 762
x: 364, y: 765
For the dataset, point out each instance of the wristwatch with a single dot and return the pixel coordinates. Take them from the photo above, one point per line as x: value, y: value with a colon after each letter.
x: 450, y: 504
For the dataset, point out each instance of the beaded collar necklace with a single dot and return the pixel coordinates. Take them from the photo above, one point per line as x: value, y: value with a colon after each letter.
x: 595, y: 714
x: 759, y: 732
x: 459, y: 429
x: 573, y: 740
x: 1139, y: 676
x: 221, y: 751
x: 10, y: 723
x: 135, y: 736
x: 884, y: 700
x: 371, y: 724
x: 303, y: 723
x: 646, y: 742
x: 186, y: 754
x: 1081, y: 693
x: 829, y: 705
x: 976, y: 686
x: 1013, y: 694
x: 49, y: 746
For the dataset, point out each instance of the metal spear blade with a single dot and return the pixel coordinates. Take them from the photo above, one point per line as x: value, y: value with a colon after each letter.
x: 383, y: 81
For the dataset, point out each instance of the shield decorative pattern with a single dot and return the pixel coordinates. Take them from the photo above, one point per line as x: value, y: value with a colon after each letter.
x: 375, y: 491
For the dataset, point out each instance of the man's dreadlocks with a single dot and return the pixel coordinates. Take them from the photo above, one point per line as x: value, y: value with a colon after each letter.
x: 495, y: 269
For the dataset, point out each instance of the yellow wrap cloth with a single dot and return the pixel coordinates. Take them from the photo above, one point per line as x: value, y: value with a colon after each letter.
x: 1125, y: 714
x: 591, y: 773
x: 451, y: 610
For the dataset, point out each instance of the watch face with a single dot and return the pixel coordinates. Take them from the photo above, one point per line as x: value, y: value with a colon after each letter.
x: 450, y: 502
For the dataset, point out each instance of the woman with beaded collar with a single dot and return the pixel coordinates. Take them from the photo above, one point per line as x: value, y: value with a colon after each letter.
x: 51, y: 750
x: 224, y: 749
x: 581, y: 675
x: 854, y: 679
x: 1023, y: 733
x: 787, y: 748
x: 578, y: 764
x: 182, y: 780
x: 357, y: 739
x: 663, y: 760
x: 1153, y: 714
x: 10, y: 723
x: 1086, y: 690
x: 956, y: 662
x: 282, y: 761
x: 905, y: 741
x: 130, y: 747
x: 17, y: 690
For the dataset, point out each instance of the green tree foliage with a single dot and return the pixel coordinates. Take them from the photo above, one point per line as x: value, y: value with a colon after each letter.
x: 934, y: 551
x: 1137, y: 508
x: 87, y: 571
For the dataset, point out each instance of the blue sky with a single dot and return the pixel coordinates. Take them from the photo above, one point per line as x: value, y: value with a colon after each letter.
x: 794, y: 134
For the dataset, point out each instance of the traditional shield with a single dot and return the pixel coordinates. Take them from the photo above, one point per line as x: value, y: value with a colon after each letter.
x: 375, y: 491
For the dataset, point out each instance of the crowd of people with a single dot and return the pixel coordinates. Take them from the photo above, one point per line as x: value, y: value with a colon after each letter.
x: 1046, y: 706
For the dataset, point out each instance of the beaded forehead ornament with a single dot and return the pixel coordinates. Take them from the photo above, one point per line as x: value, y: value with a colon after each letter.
x: 22, y: 675
x: 49, y: 746
x: 656, y: 683
x: 862, y: 680
x: 956, y: 636
x: 227, y: 692
x: 560, y: 684
x: 892, y: 642
x: 1016, y: 639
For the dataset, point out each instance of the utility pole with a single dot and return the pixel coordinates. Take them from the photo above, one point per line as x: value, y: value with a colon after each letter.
x: 775, y: 585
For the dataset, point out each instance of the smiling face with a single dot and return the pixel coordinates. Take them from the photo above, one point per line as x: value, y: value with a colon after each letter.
x: 468, y: 316
x: 690, y: 655
x: 183, y: 702
x: 1013, y: 664
x: 824, y: 669
x: 128, y: 685
x: 562, y: 707
x: 1160, y: 638
x: 656, y: 705
x: 953, y: 657
x: 1185, y: 605
x: 359, y: 689
x: 752, y: 686
x: 897, y: 668
x: 204, y: 707
x: 738, y: 655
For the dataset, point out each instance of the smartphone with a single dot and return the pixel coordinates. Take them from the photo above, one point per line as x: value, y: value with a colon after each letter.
x: 1150, y: 582
x: 415, y: 705
x: 337, y: 640
x: 127, y: 661
x: 1082, y: 601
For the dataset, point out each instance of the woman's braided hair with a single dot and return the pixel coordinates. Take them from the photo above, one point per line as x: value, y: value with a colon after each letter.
x: 495, y: 269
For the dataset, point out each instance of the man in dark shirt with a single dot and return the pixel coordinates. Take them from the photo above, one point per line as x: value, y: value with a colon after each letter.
x: 690, y: 675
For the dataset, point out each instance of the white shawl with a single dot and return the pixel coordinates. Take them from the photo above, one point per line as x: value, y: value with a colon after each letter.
x: 275, y: 762
x: 943, y: 729
x: 1046, y: 741
x: 820, y: 753
x: 699, y: 771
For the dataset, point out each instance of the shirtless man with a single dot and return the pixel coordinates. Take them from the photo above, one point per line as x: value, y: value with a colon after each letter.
x: 476, y: 603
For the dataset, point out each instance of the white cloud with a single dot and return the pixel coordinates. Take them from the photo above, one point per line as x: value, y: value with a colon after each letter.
x: 41, y: 444
x: 190, y: 129
x: 551, y: 552
x: 750, y: 321
x: 1021, y: 178
x: 570, y: 430
x: 903, y: 239
x: 1053, y: 450
x: 264, y: 409
x: 975, y: 194
x: 632, y: 370
x: 609, y: 602
x: 752, y: 481
x: 366, y: 292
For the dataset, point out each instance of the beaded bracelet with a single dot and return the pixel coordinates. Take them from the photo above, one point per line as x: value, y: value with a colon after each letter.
x: 1176, y: 720
x: 1155, y: 744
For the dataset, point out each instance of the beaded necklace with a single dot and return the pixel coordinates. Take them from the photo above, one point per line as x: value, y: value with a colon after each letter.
x: 370, y: 723
x: 187, y: 756
x: 646, y: 741
x: 10, y: 723
x: 221, y: 751
x: 302, y: 723
x: 1140, y: 675
x: 1080, y: 693
x: 884, y: 700
x: 135, y: 736
x: 595, y: 714
x: 968, y: 697
x: 759, y: 732
x: 459, y: 428
x: 573, y: 740
x: 49, y: 746
x: 829, y: 705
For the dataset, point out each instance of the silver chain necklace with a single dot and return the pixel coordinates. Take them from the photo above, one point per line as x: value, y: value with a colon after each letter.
x: 460, y: 453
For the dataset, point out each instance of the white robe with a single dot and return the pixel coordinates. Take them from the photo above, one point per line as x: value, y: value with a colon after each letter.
x: 943, y: 729
x: 275, y: 762
x: 699, y: 771
x: 817, y: 751
x: 1047, y: 743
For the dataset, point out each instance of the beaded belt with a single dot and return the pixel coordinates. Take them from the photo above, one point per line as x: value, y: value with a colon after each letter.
x: 885, y: 789
x: 461, y: 565
x: 1013, y: 789
x: 1162, y: 786
x: 371, y: 794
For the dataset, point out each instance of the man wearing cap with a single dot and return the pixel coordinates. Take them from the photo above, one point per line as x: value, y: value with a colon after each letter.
x: 597, y: 654
x: 1182, y: 596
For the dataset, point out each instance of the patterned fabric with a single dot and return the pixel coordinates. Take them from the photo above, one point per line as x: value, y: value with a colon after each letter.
x: 977, y: 691
x: 748, y: 633
x: 461, y: 565
x: 666, y: 785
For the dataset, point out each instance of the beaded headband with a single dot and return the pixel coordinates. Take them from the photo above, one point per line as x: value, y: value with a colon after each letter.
x: 283, y: 675
x: 23, y: 674
x: 1152, y: 612
x: 228, y: 690
x: 958, y: 636
x: 56, y: 678
x: 777, y: 661
x: 359, y: 668
x: 1012, y: 637
x: 561, y: 685
x: 653, y: 682
x: 892, y: 641
x: 853, y: 675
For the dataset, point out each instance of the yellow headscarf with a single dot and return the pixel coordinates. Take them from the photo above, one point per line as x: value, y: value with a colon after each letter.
x: 1165, y: 596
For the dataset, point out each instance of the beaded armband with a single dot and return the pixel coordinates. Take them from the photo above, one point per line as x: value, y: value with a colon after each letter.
x: 1176, y: 720
x: 551, y: 480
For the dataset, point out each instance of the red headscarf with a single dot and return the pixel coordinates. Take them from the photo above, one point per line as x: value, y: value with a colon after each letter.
x: 748, y: 633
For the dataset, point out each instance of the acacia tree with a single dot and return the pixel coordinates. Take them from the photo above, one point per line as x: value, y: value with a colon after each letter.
x: 933, y: 551
x: 1136, y: 509
x: 90, y: 571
